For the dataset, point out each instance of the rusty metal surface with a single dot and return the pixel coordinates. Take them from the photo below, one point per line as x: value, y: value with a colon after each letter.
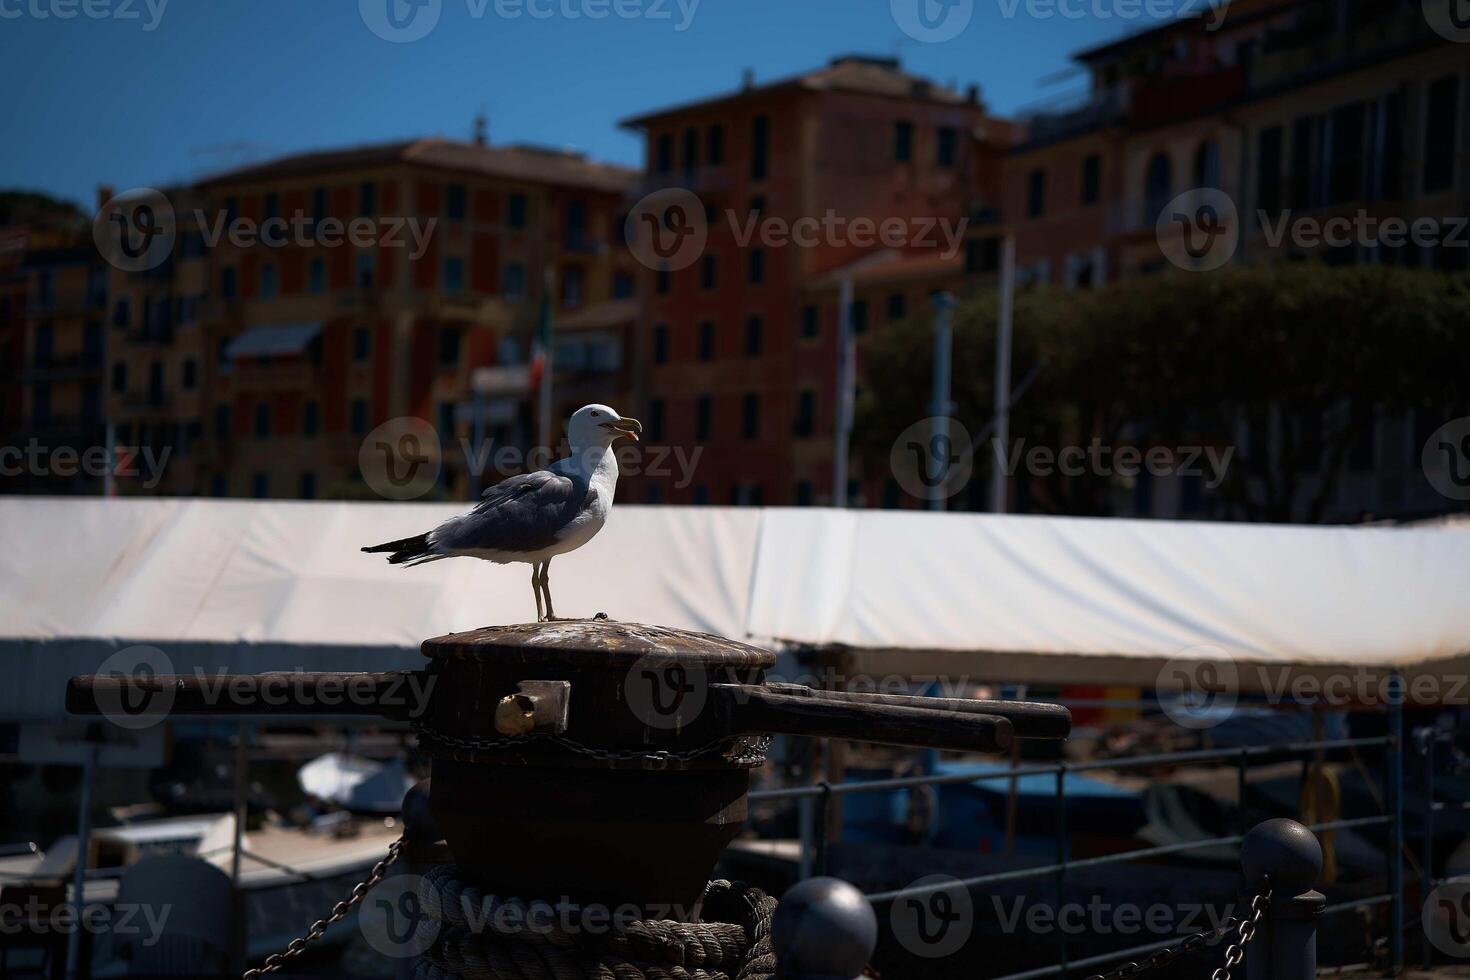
x: 591, y: 643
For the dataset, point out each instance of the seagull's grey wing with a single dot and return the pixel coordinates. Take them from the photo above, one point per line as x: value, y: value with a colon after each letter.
x: 521, y: 513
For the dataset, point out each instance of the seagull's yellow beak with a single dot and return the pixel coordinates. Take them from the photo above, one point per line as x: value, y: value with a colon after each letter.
x: 628, y: 427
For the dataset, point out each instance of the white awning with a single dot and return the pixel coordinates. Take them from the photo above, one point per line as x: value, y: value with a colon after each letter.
x: 272, y: 340
x: 247, y: 586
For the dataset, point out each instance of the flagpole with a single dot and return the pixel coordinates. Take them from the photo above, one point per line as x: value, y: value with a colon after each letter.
x: 846, y: 369
x: 547, y: 365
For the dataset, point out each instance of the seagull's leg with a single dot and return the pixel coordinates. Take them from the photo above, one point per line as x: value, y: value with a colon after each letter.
x: 536, y: 588
x: 546, y: 587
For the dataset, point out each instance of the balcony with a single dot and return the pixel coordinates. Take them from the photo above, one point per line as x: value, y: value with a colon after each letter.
x: 1165, y: 100
x: 146, y: 400
x: 63, y: 368
x: 1075, y: 114
x: 701, y: 180
x: 1314, y: 48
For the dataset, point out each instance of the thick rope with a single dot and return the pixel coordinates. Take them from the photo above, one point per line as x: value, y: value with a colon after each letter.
x: 485, y: 937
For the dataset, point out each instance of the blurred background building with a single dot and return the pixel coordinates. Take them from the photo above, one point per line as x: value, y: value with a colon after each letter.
x: 262, y: 368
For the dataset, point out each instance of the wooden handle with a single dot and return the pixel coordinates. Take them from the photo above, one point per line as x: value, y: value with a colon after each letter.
x: 752, y: 709
x: 393, y: 694
x: 1030, y: 719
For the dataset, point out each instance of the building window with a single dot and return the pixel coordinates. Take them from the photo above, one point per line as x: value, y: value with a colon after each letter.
x: 217, y: 485
x: 1441, y: 135
x: 222, y: 421
x: 757, y: 263
x: 656, y: 420
x: 308, y: 486
x: 455, y: 200
x: 707, y: 340
x: 1158, y: 186
x: 316, y: 276
x: 661, y: 344
x: 1091, y: 179
x: 661, y: 282
x: 366, y: 266
x: 691, y: 149
x: 269, y: 281
x: 1268, y: 172
x: 945, y: 142
x: 1207, y: 163
x: 120, y: 376
x: 362, y: 344
x: 446, y: 419
x: 702, y: 420
x: 754, y: 330
x: 859, y: 316
x: 121, y: 313
x: 227, y: 282
x: 806, y: 413
x: 708, y: 272
x: 189, y: 375
x: 515, y: 210
x: 1036, y: 193
x: 750, y: 416
x: 310, y: 419
x: 897, y: 307
x: 359, y: 416
x: 515, y: 282
x: 367, y: 200
x: 622, y: 285
x: 260, y: 486
x: 574, y: 224
x: 760, y: 147
x: 448, y: 346
x: 903, y: 142
x: 663, y: 153
x: 803, y: 493
x: 811, y: 322
x: 271, y: 208
x: 453, y: 275
x: 319, y: 207
x: 571, y: 288
x: 701, y: 495
x: 714, y: 151
x: 262, y: 420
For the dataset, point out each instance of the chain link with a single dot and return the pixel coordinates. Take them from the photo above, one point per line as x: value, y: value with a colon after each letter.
x: 339, y: 911
x: 1236, y: 952
x: 746, y: 750
x: 1193, y: 944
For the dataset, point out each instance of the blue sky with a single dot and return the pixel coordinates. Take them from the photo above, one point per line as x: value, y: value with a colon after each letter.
x: 104, y: 99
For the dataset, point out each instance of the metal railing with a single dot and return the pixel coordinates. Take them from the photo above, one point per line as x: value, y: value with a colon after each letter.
x: 816, y: 801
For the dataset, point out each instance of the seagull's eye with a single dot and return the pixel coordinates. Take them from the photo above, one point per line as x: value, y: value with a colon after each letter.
x: 597, y: 415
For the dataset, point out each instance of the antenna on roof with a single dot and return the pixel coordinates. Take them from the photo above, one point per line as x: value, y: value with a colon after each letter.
x: 747, y: 79
x: 482, y: 128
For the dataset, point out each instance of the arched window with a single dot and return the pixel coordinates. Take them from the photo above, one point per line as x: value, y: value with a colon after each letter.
x: 1159, y: 185
x: 1207, y: 165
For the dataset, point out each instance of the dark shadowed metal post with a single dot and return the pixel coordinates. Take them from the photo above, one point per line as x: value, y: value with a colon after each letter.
x: 1284, y: 857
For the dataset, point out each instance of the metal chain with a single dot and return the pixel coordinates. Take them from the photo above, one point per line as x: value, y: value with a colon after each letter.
x: 339, y: 911
x: 1236, y: 952
x: 1193, y: 944
x: 746, y: 750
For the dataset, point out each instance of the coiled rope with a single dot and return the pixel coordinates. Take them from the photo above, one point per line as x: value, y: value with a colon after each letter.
x: 484, y: 937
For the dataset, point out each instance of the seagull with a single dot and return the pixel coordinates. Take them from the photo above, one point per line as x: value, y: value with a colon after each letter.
x: 534, y: 517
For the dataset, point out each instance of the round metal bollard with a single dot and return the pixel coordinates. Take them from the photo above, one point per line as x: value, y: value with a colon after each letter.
x: 419, y: 825
x: 1285, y: 857
x: 824, y: 929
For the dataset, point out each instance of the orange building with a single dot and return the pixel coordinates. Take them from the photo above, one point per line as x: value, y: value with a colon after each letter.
x: 312, y: 298
x: 739, y: 349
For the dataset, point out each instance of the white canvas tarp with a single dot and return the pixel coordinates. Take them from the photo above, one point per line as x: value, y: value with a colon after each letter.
x: 249, y: 586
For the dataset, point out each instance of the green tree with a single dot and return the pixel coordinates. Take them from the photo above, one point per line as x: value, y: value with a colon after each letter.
x: 1287, y: 365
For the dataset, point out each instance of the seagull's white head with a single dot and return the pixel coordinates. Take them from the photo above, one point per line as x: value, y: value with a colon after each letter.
x: 596, y: 426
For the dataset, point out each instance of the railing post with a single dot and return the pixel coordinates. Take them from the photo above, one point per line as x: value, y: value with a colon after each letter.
x: 1396, y: 835
x: 1285, y: 857
x: 823, y: 929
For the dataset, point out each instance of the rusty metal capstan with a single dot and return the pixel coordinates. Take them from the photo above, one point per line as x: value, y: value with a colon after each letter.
x: 604, y: 761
